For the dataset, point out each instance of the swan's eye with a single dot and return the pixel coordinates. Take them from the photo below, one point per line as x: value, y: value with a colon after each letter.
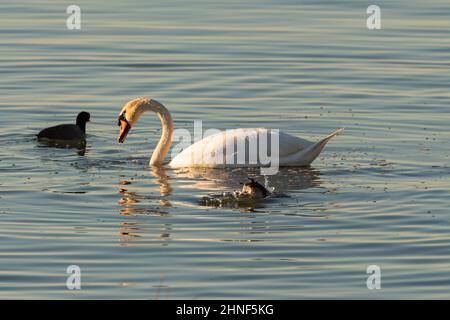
x: 121, y: 118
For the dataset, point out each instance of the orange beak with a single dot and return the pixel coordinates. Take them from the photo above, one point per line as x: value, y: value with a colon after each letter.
x: 124, y: 129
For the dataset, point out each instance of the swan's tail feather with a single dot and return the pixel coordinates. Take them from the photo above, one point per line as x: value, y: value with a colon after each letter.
x: 312, y: 152
x: 333, y: 134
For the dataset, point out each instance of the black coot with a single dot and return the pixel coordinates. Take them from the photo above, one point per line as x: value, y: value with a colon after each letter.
x: 254, y: 189
x: 67, y: 131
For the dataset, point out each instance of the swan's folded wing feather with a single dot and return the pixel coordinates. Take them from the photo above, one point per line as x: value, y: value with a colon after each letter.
x: 222, y: 148
x: 291, y: 144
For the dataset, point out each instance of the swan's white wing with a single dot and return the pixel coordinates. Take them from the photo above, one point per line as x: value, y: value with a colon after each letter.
x: 212, y: 150
x: 307, y: 155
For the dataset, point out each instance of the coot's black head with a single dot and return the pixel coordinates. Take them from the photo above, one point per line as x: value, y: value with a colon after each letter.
x: 255, y: 189
x: 83, y: 117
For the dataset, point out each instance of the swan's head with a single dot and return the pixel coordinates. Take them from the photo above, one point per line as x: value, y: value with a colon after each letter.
x: 130, y: 114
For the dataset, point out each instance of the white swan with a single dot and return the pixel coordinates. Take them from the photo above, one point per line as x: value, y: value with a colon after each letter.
x: 293, y: 151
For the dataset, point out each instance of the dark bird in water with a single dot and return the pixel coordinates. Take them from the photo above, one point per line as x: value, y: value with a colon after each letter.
x: 67, y: 131
x: 254, y: 189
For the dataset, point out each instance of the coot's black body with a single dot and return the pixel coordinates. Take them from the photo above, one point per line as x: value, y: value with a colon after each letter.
x: 67, y: 131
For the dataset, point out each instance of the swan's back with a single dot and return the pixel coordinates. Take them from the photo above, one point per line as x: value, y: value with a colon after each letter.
x: 239, y: 148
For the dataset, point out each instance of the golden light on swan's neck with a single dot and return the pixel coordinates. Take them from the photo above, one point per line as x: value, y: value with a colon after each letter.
x: 131, y: 113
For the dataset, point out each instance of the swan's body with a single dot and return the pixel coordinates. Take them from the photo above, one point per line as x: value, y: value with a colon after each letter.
x: 213, y: 150
x: 293, y: 151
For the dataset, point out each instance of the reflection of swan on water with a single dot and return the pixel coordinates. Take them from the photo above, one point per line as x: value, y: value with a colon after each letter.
x: 130, y: 232
x: 208, y: 152
x: 161, y: 176
x: 130, y: 200
x: 132, y: 204
x: 210, y: 179
x: 228, y: 181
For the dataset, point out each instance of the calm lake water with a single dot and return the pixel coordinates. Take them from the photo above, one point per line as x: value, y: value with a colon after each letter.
x: 378, y: 194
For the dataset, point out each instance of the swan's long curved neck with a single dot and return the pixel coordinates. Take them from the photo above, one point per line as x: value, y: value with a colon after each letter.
x: 163, y: 147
